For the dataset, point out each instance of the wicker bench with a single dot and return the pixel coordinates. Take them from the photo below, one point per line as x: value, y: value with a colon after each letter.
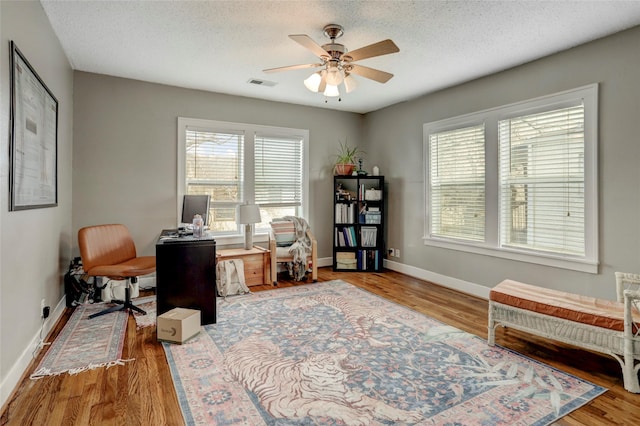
x: 605, y: 326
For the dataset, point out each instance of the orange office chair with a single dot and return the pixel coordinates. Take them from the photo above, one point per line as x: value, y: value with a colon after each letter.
x: 108, y: 251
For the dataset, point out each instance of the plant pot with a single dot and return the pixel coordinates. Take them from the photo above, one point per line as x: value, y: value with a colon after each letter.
x: 344, y: 169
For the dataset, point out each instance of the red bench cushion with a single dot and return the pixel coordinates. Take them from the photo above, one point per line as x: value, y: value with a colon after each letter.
x: 573, y: 307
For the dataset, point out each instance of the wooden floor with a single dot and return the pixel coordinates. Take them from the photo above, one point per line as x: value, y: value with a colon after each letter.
x: 142, y: 393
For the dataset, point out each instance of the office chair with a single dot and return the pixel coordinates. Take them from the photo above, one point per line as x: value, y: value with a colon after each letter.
x: 108, y: 251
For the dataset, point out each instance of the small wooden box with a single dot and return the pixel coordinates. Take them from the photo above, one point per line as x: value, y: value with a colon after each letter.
x: 256, y: 263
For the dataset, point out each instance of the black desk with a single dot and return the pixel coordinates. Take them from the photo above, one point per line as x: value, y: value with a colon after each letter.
x: 186, y: 275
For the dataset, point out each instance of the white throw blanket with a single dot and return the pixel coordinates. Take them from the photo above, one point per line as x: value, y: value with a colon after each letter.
x: 299, y: 249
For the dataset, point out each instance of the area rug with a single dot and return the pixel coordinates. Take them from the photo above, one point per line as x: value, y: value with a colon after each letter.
x: 332, y: 354
x: 147, y: 304
x: 86, y: 344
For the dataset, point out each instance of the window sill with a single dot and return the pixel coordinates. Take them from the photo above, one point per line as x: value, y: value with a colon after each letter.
x: 581, y: 265
x: 229, y: 240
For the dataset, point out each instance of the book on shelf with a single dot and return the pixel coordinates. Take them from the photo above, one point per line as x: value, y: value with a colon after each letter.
x: 350, y: 236
x: 368, y: 260
x: 345, y: 212
x: 345, y: 236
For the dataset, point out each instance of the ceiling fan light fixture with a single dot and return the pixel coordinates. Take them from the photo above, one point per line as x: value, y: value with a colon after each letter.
x: 313, y: 82
x: 350, y: 83
x: 336, y: 65
x: 331, y: 90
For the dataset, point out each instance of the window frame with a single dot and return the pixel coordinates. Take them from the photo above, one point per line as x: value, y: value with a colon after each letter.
x: 247, y: 184
x: 491, y: 246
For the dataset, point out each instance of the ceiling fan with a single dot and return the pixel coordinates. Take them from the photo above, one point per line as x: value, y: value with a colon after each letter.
x: 338, y: 63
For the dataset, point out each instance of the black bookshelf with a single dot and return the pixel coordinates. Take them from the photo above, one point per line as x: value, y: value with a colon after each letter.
x: 358, y: 223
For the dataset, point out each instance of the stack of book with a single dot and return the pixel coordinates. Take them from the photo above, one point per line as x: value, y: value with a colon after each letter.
x: 346, y: 260
x: 373, y: 216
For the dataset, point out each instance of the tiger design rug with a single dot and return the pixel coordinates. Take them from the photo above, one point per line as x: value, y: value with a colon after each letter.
x: 310, y: 387
x: 361, y: 317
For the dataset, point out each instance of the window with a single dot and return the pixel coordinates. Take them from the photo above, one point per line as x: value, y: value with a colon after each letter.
x: 542, y: 181
x: 518, y: 182
x: 457, y: 183
x: 236, y: 163
x: 278, y: 176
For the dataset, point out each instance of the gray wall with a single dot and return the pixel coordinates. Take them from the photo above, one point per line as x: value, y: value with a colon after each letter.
x: 35, y: 245
x: 124, y: 167
x: 125, y: 147
x: 394, y: 137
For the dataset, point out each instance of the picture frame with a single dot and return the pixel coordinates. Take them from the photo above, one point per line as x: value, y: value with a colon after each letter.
x: 33, y: 123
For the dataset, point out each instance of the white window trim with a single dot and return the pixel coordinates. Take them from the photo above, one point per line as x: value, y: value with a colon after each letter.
x: 250, y: 131
x: 491, y: 246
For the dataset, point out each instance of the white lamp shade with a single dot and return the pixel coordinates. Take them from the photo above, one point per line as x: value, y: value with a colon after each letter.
x: 313, y: 82
x: 334, y: 76
x: 331, y: 90
x: 248, y: 213
x: 350, y: 83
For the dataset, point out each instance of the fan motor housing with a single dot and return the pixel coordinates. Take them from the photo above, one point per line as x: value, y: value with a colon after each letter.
x: 333, y: 31
x: 336, y: 50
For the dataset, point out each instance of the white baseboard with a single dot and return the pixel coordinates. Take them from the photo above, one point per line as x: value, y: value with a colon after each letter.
x: 443, y: 280
x: 325, y: 261
x: 12, y: 379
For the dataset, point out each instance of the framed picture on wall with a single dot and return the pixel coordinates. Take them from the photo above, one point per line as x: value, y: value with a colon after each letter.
x: 33, y: 122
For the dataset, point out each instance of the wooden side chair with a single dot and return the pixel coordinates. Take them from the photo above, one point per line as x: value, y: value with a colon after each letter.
x: 108, y: 251
x: 281, y: 237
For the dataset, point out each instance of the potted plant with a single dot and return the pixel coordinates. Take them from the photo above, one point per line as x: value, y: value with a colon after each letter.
x: 346, y: 159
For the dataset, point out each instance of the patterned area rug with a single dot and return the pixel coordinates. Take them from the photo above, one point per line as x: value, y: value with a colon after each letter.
x: 148, y: 304
x: 331, y: 353
x: 86, y: 344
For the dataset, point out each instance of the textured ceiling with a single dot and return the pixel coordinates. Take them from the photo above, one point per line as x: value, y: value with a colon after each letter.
x: 219, y: 46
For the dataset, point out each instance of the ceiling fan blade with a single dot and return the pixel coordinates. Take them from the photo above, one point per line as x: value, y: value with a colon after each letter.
x: 323, y: 83
x: 373, y: 74
x: 292, y: 67
x: 380, y: 48
x: 308, y: 43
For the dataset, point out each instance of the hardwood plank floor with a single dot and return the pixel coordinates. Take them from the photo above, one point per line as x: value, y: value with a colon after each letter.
x: 141, y: 392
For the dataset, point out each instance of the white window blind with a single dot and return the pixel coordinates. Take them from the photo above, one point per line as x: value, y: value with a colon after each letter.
x: 237, y: 163
x: 542, y: 181
x: 214, y: 166
x: 457, y: 183
x: 278, y: 171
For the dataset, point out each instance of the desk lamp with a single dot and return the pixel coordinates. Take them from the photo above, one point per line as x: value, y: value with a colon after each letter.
x: 247, y: 215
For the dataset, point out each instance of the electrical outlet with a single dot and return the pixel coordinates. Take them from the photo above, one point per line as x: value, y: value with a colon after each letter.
x: 43, y: 303
x: 391, y: 251
x: 397, y: 252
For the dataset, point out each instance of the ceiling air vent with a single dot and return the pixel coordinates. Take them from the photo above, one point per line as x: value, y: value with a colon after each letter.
x: 259, y: 82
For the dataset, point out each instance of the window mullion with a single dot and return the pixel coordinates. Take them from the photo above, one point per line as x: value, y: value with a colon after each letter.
x: 248, y: 172
x: 492, y: 193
